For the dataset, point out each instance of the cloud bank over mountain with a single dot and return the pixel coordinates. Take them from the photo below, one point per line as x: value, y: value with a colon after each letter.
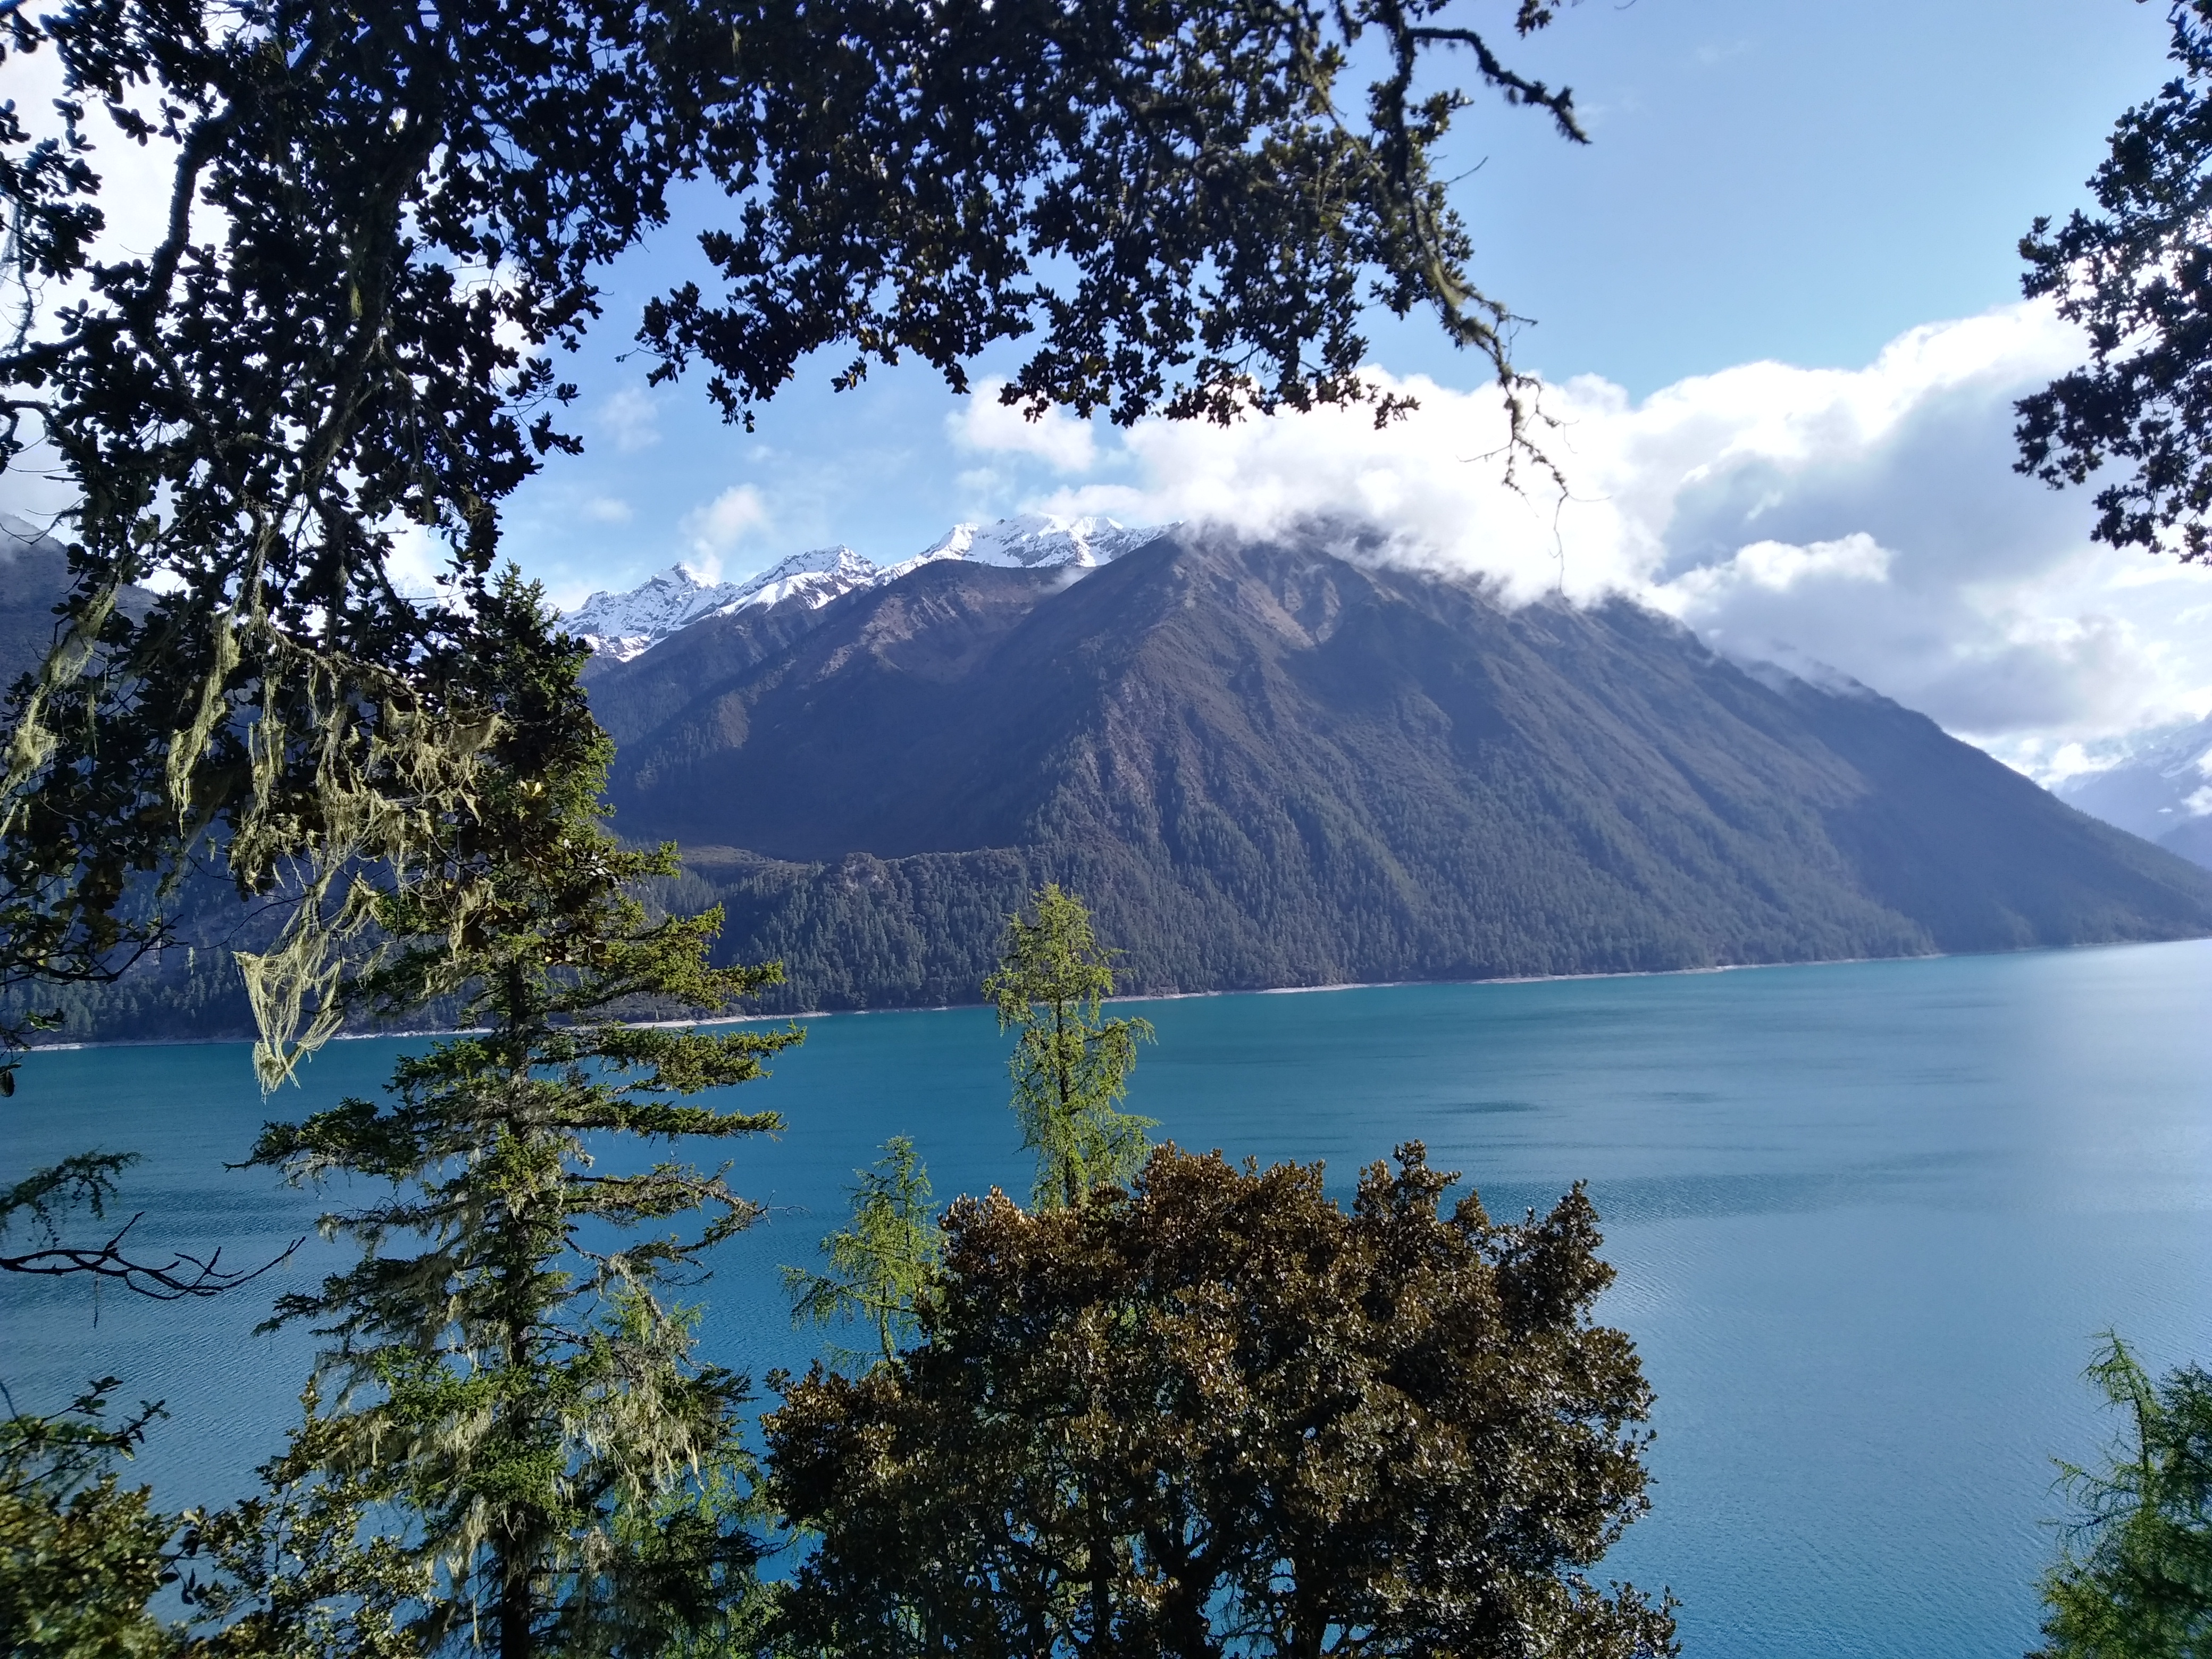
x: 1868, y: 520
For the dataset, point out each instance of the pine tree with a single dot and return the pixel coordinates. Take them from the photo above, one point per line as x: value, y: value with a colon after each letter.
x: 507, y: 1373
x: 1070, y: 1067
x: 883, y: 1261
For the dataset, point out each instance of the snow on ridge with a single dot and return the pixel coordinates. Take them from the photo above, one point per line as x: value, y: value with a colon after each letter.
x: 620, y: 625
x: 1032, y: 541
x: 2164, y: 784
x: 816, y: 577
x: 626, y: 625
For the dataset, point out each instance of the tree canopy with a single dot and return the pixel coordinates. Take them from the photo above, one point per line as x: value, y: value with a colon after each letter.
x: 384, y: 222
x: 2136, y: 275
x: 1218, y: 1414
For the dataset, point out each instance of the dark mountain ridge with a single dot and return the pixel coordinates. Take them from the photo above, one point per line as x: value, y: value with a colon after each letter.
x: 1269, y: 764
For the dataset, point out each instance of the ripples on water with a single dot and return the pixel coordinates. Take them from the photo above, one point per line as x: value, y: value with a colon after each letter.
x: 1868, y: 1219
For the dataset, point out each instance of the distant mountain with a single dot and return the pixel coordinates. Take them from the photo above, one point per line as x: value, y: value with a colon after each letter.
x: 625, y: 625
x: 1271, y: 764
x: 1032, y: 541
x: 621, y: 626
x: 2163, y: 794
x: 34, y: 577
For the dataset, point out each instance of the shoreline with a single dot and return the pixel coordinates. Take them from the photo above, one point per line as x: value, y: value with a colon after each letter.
x: 1167, y: 996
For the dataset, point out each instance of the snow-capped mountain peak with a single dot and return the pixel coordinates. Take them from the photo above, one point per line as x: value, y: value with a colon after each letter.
x: 620, y: 625
x: 816, y: 577
x: 623, y: 625
x: 1033, y: 541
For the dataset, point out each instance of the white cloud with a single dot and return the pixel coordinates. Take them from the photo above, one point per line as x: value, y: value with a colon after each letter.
x: 418, y: 561
x: 1778, y: 566
x: 716, y: 528
x: 630, y: 420
x: 987, y: 426
x: 607, y: 509
x: 1869, y: 518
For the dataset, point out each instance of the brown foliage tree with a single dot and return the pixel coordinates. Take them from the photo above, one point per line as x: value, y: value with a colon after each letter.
x: 1218, y: 1414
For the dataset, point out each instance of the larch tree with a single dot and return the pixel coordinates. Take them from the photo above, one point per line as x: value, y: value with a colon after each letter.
x: 2134, y: 1581
x: 511, y: 1381
x: 1070, y: 1064
x: 881, y: 1263
x: 1218, y: 1414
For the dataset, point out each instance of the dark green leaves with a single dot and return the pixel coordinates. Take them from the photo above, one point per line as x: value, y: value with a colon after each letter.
x: 1218, y: 1413
x: 2137, y: 278
x: 1177, y: 201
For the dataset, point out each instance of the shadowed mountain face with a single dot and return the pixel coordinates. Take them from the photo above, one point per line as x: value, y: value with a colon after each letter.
x: 34, y: 577
x: 34, y: 580
x: 1265, y: 765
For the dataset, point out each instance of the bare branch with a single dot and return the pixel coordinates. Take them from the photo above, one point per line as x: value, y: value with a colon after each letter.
x: 181, y: 1276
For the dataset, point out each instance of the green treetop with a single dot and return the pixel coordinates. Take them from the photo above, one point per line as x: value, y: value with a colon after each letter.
x: 1071, y: 1067
x: 880, y: 1263
x: 506, y: 1372
x: 2137, y: 1581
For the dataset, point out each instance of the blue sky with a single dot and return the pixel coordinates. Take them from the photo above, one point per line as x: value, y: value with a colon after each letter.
x: 1770, y: 179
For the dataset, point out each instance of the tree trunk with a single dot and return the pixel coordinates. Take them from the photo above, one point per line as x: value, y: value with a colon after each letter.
x: 514, y: 1623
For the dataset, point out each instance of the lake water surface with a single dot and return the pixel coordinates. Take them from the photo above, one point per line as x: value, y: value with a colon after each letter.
x: 1870, y: 1218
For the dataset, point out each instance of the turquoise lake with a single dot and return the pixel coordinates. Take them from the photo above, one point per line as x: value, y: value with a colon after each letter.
x: 1870, y: 1218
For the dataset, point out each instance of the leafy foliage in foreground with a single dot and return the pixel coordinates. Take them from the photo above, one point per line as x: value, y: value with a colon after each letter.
x: 2138, y: 1583
x: 81, y: 1554
x: 2137, y: 278
x: 1219, y: 1414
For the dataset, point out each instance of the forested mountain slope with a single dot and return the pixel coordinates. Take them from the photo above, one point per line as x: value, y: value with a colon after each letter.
x: 1266, y: 764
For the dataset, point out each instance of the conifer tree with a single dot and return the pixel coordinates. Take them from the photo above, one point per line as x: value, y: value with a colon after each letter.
x: 1070, y: 1067
x: 509, y: 1379
x: 882, y: 1262
x: 2136, y: 1582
